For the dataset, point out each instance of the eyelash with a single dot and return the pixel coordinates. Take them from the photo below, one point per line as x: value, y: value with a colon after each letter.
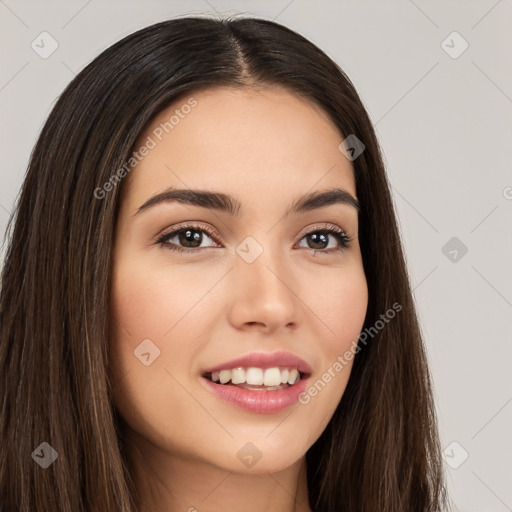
x: 340, y: 235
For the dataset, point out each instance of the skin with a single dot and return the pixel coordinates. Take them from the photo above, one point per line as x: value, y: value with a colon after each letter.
x: 266, y: 148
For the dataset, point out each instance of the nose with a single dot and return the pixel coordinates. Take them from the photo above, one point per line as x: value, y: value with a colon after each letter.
x: 264, y: 295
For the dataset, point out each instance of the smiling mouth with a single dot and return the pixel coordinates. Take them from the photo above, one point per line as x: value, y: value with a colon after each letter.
x: 257, y: 379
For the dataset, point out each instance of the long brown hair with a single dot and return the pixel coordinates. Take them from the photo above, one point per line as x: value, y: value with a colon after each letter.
x: 380, y: 451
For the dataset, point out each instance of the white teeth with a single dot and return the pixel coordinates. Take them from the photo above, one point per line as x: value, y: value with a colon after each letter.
x: 269, y: 377
x: 293, y: 377
x: 224, y: 376
x: 254, y: 376
x: 237, y: 376
x: 272, y: 377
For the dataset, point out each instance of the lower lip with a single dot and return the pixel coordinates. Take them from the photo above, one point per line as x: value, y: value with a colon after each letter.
x: 260, y: 401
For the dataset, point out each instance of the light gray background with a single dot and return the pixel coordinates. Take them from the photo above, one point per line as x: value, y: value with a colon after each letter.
x: 445, y: 127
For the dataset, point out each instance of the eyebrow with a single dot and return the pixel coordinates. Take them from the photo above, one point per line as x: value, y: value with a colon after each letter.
x: 226, y: 203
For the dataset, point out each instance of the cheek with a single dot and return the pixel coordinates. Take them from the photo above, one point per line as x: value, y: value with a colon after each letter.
x: 155, y: 302
x: 153, y: 310
x: 339, y: 304
x: 339, y: 300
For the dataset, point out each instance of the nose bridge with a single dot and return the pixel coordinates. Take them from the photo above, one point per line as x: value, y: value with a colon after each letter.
x: 262, y: 281
x: 263, y: 265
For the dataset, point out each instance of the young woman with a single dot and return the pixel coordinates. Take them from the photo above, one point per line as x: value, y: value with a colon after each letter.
x: 204, y: 304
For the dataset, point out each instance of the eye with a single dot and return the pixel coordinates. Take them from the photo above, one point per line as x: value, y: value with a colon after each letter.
x: 318, y: 240
x: 189, y: 238
x: 186, y: 238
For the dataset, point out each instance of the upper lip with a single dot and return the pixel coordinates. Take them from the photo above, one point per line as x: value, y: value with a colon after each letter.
x: 264, y: 360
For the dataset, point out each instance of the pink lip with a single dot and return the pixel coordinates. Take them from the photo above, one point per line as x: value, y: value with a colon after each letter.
x: 260, y: 401
x: 264, y: 360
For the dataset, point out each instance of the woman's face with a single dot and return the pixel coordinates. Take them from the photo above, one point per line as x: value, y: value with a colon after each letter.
x: 240, y: 280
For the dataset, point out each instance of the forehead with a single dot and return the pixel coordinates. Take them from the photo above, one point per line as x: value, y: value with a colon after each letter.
x: 256, y: 145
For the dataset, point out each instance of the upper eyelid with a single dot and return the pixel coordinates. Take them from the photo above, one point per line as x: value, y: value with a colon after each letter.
x: 213, y: 233
x: 188, y: 225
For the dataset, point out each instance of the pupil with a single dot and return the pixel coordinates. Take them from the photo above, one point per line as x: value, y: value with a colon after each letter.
x: 318, y: 238
x: 190, y: 238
